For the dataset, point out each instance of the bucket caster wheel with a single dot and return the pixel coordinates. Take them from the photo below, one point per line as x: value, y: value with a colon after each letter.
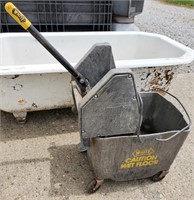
x: 94, y: 185
x: 74, y: 110
x: 159, y: 176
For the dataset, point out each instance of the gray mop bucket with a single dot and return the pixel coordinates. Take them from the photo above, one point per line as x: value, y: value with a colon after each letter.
x: 150, y: 154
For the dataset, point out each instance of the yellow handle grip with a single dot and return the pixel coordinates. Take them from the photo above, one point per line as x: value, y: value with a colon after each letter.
x: 17, y: 15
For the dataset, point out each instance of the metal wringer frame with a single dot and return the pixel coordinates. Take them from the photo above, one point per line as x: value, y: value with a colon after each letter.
x: 112, y: 108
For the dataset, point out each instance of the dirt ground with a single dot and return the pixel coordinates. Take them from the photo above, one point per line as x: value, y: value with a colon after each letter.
x: 40, y: 159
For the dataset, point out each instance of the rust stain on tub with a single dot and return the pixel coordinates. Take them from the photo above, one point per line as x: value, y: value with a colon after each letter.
x: 168, y: 76
x: 21, y: 101
x: 34, y: 105
x: 15, y: 76
x: 160, y: 79
x: 17, y: 87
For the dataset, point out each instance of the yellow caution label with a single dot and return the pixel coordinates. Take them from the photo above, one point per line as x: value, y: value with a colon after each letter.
x: 141, y: 158
x: 17, y: 15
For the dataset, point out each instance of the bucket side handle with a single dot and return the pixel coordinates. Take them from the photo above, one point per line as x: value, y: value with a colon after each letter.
x: 189, y: 119
x: 140, y: 103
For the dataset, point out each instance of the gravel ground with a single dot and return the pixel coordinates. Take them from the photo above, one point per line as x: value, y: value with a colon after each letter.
x: 173, y: 21
x: 39, y: 160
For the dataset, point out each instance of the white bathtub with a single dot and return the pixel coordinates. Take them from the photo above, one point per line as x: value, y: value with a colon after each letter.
x: 31, y: 79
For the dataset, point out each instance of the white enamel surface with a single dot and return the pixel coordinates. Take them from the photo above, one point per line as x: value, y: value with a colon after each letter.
x: 31, y: 79
x: 22, y: 54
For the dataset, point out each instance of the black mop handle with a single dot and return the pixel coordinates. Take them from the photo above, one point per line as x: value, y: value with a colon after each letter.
x: 27, y: 25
